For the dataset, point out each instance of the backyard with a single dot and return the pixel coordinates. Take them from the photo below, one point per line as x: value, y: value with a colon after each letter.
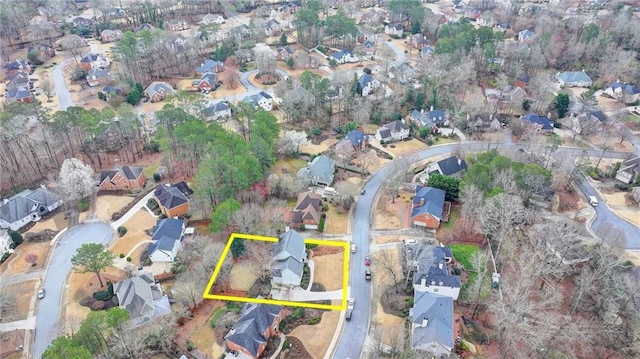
x: 392, y: 214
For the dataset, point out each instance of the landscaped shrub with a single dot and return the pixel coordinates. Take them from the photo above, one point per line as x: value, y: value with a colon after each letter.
x: 325, y: 207
x: 302, y: 227
x: 122, y: 230
x: 16, y: 237
x: 87, y: 301
x: 321, y: 225
x: 190, y: 345
x: 311, y: 245
x: 314, y: 321
x: 152, y: 204
x: 296, y: 314
x: 99, y: 305
x: 83, y: 205
x: 102, y: 295
x: 4, y: 257
x: 286, y: 344
x: 121, y: 255
x: 128, y: 259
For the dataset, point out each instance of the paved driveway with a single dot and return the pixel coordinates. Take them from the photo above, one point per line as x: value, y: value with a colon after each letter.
x: 64, y: 97
x: 48, y: 312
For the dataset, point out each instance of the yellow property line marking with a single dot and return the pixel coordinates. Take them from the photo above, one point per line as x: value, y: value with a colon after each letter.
x: 216, y: 271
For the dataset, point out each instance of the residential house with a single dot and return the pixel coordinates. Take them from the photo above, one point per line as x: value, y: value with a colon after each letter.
x: 289, y: 256
x: 5, y: 242
x: 418, y: 41
x: 27, y: 206
x: 94, y: 61
x: 109, y: 91
x: 210, y: 66
x: 512, y: 94
x: 142, y: 27
x: 174, y: 42
x: 623, y: 92
x: 427, y: 51
x: 80, y: 22
x: 391, y: 132
x: 372, y: 17
x: 430, y: 119
x: 587, y: 122
x: 284, y: 52
x: 526, y: 37
x: 142, y: 298
x: 260, y: 100
x: 81, y: 4
x: 244, y: 55
x: 19, y: 88
x: 368, y: 47
x: 242, y: 32
x: 538, y: 123
x: 308, y: 211
x: 574, y: 79
x: 44, y: 51
x: 290, y: 7
x: 207, y: 82
x: 394, y: 30
x: 113, y: 13
x: 110, y: 35
x: 210, y: 19
x: 367, y: 84
x: 166, y: 240
x: 403, y: 73
x: 97, y: 77
x: 158, y: 90
x: 522, y: 81
x: 177, y: 25
x: 451, y: 166
x: 172, y: 201
x: 428, y: 207
x: 435, y: 289
x: 320, y: 171
x: 635, y: 194
x: 344, y: 56
x: 257, y: 323
x: 484, y: 122
x: 123, y: 178
x: 18, y: 66
x: 272, y: 27
x: 218, y: 111
x: 358, y: 139
x: 629, y: 170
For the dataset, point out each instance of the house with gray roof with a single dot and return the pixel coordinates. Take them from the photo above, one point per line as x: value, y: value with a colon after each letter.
x: 394, y: 131
x: 257, y: 323
x: 142, y: 298
x: 158, y: 90
x: 433, y: 273
x: 450, y: 166
x: 629, y: 170
x: 319, y: 171
x: 428, y: 208
x: 289, y: 256
x: 432, y: 324
x: 623, y: 92
x: 367, y: 84
x: 19, y: 88
x: 538, y: 123
x: 358, y: 139
x: 173, y: 202
x: 122, y: 178
x: 260, y: 100
x: 166, y: 240
x: 96, y: 77
x: 27, y: 206
x: 210, y: 66
x: 574, y: 79
x: 526, y: 36
x: 218, y: 111
x: 430, y: 119
x: 344, y: 56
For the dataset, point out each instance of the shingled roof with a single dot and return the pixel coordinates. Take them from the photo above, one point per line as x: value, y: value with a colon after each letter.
x: 170, y: 196
x: 165, y: 234
x: 253, y: 322
x: 433, y: 201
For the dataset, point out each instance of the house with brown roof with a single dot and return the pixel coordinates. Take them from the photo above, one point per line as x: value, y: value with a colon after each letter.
x: 308, y: 211
x: 122, y: 179
x: 172, y: 201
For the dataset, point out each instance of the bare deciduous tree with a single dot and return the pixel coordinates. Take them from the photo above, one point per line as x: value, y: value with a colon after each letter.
x: 395, y: 175
x: 386, y: 262
x: 46, y: 86
x: 248, y: 218
x: 75, y: 181
x: 501, y: 214
x: 291, y: 141
x: 260, y: 255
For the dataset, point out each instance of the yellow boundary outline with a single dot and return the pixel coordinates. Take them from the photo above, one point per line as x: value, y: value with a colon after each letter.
x: 288, y: 303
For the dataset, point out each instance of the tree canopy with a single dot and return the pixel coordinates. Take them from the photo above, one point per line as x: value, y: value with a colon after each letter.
x: 92, y: 258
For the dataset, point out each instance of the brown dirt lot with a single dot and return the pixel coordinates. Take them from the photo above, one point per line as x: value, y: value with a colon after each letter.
x: 288, y: 166
x: 22, y: 292
x: 243, y: 275
x: 106, y: 205
x: 202, y: 338
x: 391, y: 215
x: 390, y: 325
x: 319, y: 148
x: 337, y: 221
x: 16, y: 263
x: 329, y: 270
x: 404, y: 147
x: 316, y: 338
x: 136, y: 226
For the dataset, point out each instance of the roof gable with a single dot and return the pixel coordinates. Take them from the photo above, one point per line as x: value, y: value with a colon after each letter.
x: 437, y: 310
x: 253, y: 322
x: 452, y: 165
x: 432, y: 199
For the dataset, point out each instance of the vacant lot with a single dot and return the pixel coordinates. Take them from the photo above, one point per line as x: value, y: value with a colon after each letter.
x: 243, y: 275
x: 311, y: 148
x: 204, y: 339
x: 288, y: 166
x: 390, y: 215
x: 336, y: 221
x: 328, y: 270
x: 316, y: 338
x: 107, y: 205
x: 22, y: 293
x: 404, y: 147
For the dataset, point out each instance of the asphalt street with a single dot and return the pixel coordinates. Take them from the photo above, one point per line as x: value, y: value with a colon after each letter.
x: 49, y: 308
x: 64, y: 97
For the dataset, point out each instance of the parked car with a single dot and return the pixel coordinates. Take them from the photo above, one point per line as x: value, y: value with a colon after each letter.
x: 348, y: 315
x: 353, y: 248
x: 363, y: 192
x: 351, y: 303
x: 367, y: 261
x: 40, y: 293
x: 367, y: 274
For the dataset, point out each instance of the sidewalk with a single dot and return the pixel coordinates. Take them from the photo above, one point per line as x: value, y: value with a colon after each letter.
x: 299, y: 295
x: 136, y: 207
x: 29, y: 323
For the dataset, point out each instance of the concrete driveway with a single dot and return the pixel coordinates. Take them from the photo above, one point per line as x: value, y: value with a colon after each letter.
x: 48, y: 312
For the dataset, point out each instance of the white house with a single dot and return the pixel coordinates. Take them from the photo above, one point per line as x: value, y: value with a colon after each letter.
x: 166, y: 240
x: 94, y: 61
x: 394, y: 30
x: 288, y: 259
x: 433, y: 274
x: 5, y: 242
x: 261, y: 99
x: 27, y: 206
x: 626, y: 93
x: 210, y: 19
x: 219, y: 111
x: 344, y: 56
x: 394, y: 131
x: 367, y: 84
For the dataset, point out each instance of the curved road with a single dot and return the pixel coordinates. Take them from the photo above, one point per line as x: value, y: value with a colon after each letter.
x: 64, y: 97
x: 47, y: 315
x: 354, y: 333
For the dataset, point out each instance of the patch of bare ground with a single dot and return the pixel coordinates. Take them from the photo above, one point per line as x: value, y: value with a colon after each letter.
x: 243, y: 274
x: 22, y: 292
x: 20, y: 260
x: 328, y: 270
x: 202, y: 332
x: 10, y: 343
x: 568, y: 201
x: 390, y: 213
x: 391, y: 325
x: 295, y: 351
x: 199, y: 317
x: 337, y: 220
x: 395, y: 302
x: 106, y: 205
x: 315, y: 338
x: 320, y: 147
x: 136, y: 226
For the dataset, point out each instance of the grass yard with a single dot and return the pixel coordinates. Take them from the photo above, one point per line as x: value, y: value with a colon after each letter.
x: 136, y: 226
x: 150, y: 170
x: 336, y: 223
x: 404, y: 147
x: 22, y: 292
x: 316, y: 338
x: 204, y: 337
x: 453, y: 218
x: 56, y: 223
x: 109, y: 204
x: 328, y: 270
x: 463, y: 253
x: 390, y: 215
x: 288, y: 166
x: 243, y: 275
x: 443, y: 141
x: 19, y: 265
x: 311, y: 148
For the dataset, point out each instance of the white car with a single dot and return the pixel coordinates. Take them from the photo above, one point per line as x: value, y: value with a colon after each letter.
x: 351, y: 303
x: 353, y: 248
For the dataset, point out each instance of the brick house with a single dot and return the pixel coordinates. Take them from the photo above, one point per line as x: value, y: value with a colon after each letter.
x: 172, y: 201
x: 308, y: 211
x: 257, y: 323
x: 94, y: 61
x: 177, y: 25
x: 428, y: 207
x: 158, y: 90
x: 122, y: 179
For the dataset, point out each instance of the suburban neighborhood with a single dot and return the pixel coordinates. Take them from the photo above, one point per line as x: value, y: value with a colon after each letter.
x: 320, y: 179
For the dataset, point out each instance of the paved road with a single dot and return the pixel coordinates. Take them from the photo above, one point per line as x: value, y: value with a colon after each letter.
x: 47, y: 317
x: 355, y: 331
x: 64, y: 97
x: 401, y: 57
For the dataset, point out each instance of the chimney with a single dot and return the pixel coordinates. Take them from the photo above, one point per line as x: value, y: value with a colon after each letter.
x: 468, y: 117
x: 490, y: 117
x: 441, y: 283
x: 459, y: 162
x: 431, y: 108
x: 422, y: 110
x: 423, y: 282
x: 549, y: 114
x: 425, y: 321
x: 287, y: 229
x: 421, y: 202
x: 440, y: 265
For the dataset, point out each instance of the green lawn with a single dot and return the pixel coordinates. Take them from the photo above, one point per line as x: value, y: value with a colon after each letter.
x: 453, y: 217
x: 443, y: 141
x: 150, y: 170
x: 463, y: 253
